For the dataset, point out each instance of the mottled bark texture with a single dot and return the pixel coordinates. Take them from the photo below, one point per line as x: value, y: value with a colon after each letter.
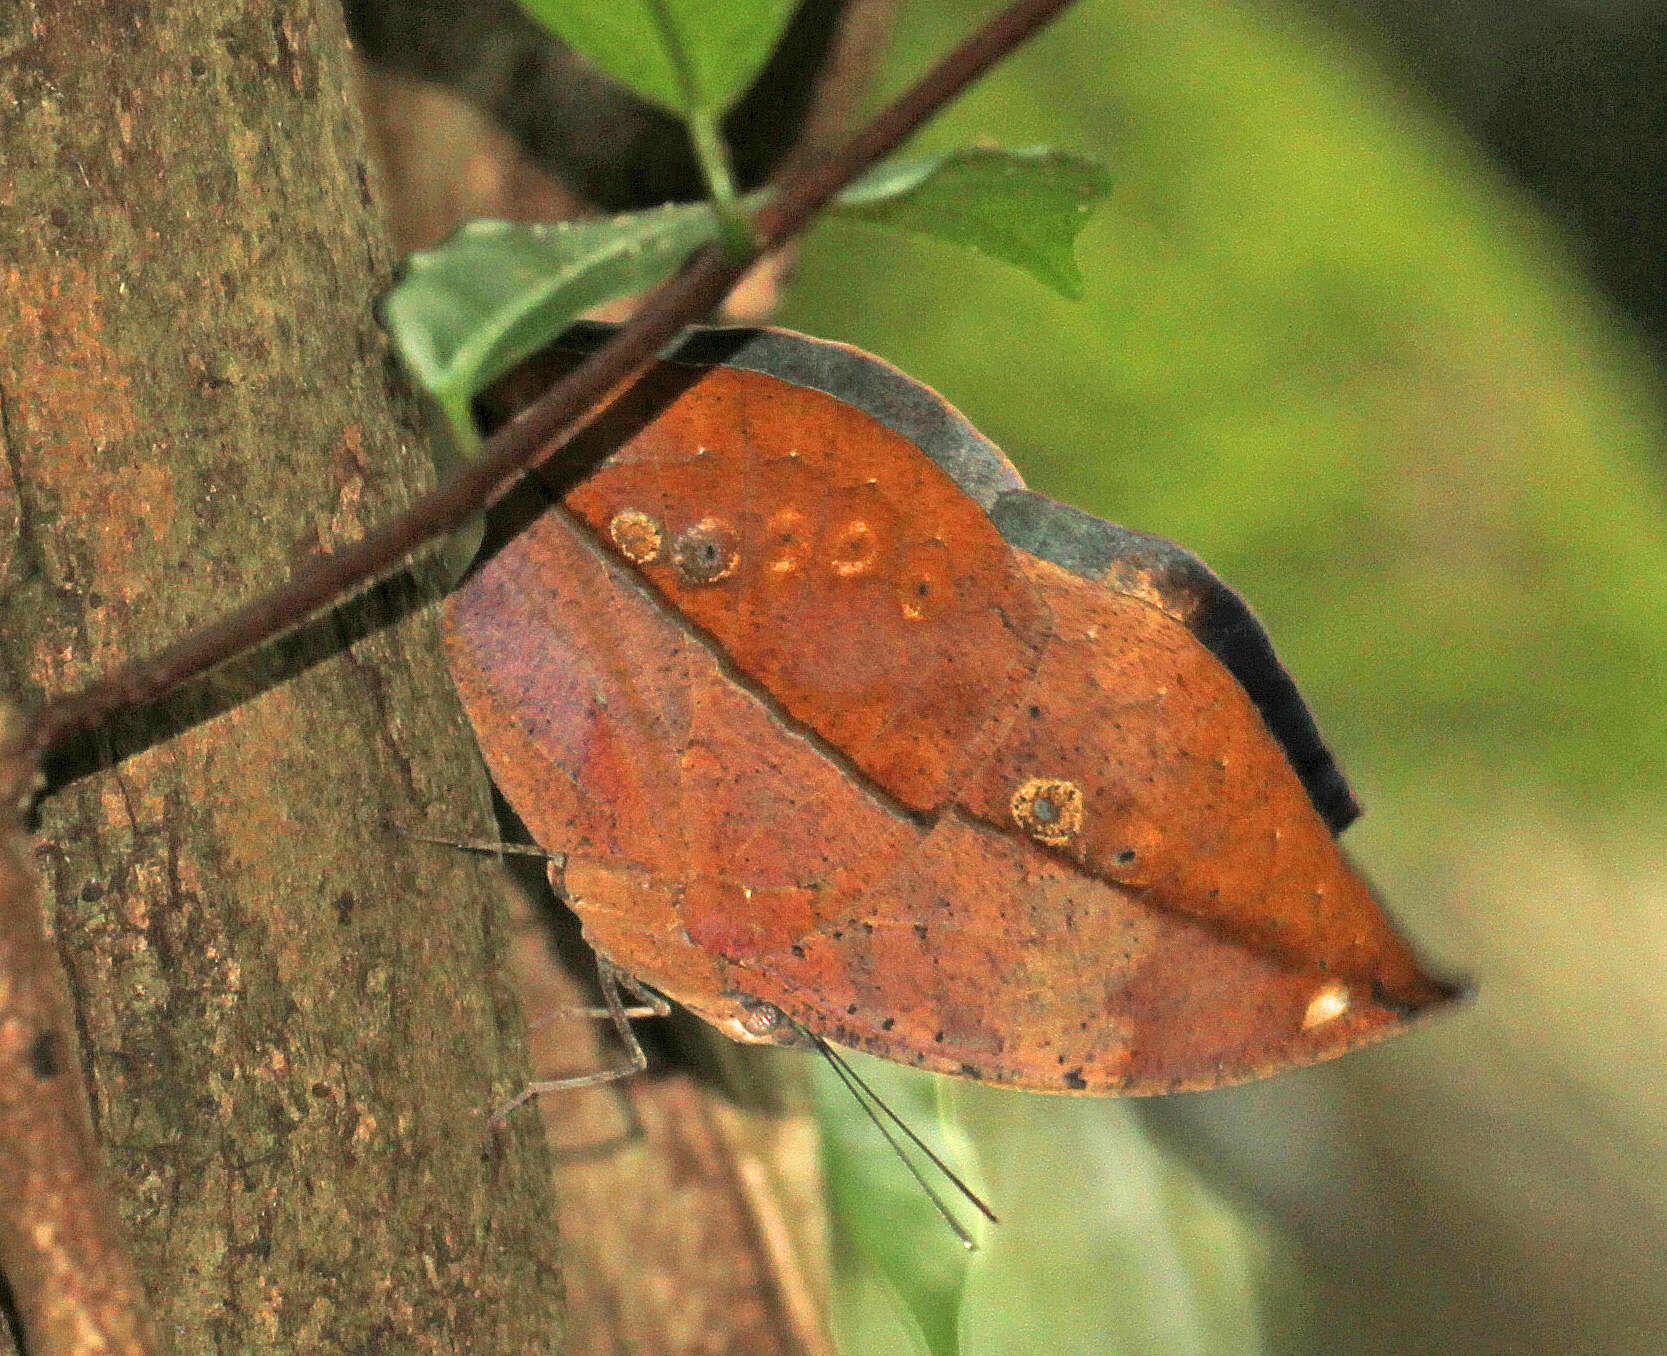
x: 71, y: 1281
x: 289, y: 1013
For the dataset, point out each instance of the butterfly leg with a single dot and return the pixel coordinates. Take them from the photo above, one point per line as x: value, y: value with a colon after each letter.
x: 615, y: 982
x: 649, y: 1004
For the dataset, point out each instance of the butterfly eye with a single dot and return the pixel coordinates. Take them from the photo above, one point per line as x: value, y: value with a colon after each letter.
x: 762, y: 1019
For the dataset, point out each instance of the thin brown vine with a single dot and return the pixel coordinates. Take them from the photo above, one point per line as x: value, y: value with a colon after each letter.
x: 545, y: 426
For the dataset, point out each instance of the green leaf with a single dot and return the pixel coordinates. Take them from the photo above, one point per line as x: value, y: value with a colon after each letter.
x: 1022, y: 207
x: 494, y: 293
x: 903, y: 1272
x: 690, y: 56
x: 1106, y: 1243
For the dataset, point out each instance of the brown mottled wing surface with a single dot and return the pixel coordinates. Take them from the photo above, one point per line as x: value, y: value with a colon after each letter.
x: 1185, y: 800
x: 1177, y: 583
x: 579, y: 697
x: 814, y: 732
x: 697, y: 824
x: 987, y: 957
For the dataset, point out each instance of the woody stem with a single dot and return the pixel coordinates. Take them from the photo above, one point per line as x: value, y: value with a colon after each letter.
x: 540, y: 430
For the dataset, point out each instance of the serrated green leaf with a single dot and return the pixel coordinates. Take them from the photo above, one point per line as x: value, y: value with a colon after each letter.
x: 496, y: 292
x: 889, y: 1237
x: 1022, y: 207
x: 690, y: 56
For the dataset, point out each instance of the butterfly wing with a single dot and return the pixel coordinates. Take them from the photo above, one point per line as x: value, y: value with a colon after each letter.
x: 1181, y: 586
x: 696, y: 823
x: 941, y: 771
x: 834, y: 566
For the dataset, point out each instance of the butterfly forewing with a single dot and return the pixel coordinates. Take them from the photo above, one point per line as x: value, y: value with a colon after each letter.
x: 814, y: 734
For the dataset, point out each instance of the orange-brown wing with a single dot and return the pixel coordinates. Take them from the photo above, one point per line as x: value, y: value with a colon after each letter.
x: 1160, y: 751
x: 721, y: 855
x: 696, y: 822
x: 1137, y: 893
x: 1146, y: 765
x: 987, y: 957
x: 1179, y: 585
x: 844, y: 632
x: 1058, y: 822
x: 835, y: 566
x: 579, y: 696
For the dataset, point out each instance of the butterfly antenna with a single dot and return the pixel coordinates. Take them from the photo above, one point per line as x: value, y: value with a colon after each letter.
x: 487, y: 845
x: 869, y: 1100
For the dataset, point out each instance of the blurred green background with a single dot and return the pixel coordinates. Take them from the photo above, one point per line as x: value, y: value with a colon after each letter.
x: 1329, y: 347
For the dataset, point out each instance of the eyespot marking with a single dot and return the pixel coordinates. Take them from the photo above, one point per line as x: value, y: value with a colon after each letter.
x: 1049, y: 809
x: 855, y: 548
x: 636, y: 535
x: 925, y: 587
x: 787, y: 539
x: 706, y: 552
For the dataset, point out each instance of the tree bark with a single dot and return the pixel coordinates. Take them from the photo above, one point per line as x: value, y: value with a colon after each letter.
x: 290, y: 1014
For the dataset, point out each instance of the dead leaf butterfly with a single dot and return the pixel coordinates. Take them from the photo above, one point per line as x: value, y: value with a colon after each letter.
x: 831, y: 717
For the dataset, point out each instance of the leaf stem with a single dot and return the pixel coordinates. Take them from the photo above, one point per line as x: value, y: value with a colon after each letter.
x: 541, y: 429
x: 712, y: 154
x: 705, y: 135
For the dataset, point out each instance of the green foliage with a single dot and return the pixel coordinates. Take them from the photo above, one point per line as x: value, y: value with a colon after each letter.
x: 1023, y: 207
x: 693, y: 57
x: 471, y: 308
x: 1106, y: 1245
x: 1109, y: 1244
x: 896, y: 1248
x: 494, y: 293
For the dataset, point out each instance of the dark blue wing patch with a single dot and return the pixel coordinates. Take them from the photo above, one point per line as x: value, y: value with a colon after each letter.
x: 1094, y: 549
x: 879, y: 390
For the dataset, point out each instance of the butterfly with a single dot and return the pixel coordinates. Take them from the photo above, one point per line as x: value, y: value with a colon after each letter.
x: 837, y: 728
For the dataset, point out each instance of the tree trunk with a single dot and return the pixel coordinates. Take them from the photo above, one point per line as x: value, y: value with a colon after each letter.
x: 290, y: 1016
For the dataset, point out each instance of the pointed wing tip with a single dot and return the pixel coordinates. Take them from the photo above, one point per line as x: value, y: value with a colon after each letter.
x: 1431, y: 996
x: 1184, y: 586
